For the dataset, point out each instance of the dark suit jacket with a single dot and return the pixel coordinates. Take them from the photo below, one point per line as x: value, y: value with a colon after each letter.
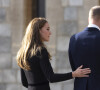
x: 84, y: 49
x: 41, y: 73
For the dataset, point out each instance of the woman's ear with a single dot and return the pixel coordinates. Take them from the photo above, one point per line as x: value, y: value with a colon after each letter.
x: 40, y: 31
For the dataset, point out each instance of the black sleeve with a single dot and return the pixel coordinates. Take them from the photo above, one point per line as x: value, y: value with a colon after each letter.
x: 23, y: 79
x: 48, y: 71
x: 70, y: 54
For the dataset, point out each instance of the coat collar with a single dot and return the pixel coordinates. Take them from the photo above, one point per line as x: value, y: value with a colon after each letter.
x: 91, y: 29
x: 93, y: 26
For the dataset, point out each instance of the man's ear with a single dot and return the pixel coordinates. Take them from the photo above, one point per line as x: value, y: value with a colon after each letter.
x: 99, y: 23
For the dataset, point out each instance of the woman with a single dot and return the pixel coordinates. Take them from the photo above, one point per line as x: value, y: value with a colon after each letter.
x: 33, y: 59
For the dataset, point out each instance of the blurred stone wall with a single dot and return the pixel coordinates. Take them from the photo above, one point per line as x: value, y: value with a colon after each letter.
x: 11, y: 29
x: 65, y: 17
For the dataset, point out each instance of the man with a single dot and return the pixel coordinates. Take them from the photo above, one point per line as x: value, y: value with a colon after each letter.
x: 84, y: 49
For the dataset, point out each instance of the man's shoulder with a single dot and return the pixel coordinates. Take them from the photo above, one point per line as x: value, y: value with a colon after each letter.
x: 81, y: 32
x: 77, y: 35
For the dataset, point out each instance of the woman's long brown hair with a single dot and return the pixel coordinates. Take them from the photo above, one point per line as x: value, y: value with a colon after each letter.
x: 31, y: 43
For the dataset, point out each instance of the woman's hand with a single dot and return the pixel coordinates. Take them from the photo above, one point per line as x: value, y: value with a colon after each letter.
x: 79, y: 72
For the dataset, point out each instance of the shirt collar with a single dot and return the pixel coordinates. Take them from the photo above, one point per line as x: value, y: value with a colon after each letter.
x: 93, y: 25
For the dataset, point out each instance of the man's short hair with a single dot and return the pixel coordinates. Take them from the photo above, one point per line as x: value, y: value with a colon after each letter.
x: 94, y: 13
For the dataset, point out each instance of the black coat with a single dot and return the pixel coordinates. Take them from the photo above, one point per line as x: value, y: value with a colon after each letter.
x: 41, y: 73
x: 84, y: 49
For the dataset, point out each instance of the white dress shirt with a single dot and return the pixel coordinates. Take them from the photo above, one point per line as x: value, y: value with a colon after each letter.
x: 93, y: 25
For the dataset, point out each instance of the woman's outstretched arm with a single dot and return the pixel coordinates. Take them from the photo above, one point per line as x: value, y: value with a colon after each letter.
x: 57, y: 77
